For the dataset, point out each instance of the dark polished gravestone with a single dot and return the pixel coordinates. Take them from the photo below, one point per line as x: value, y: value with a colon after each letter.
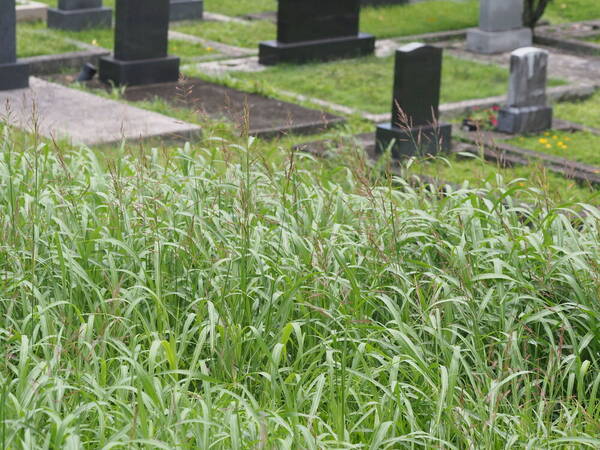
x: 186, y: 10
x: 526, y: 110
x: 316, y: 30
x: 13, y: 74
x: 414, y: 129
x: 266, y: 117
x: 77, y: 15
x: 141, y: 45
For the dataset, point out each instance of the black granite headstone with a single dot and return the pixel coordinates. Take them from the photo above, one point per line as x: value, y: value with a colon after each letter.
x: 186, y: 10
x: 316, y: 30
x: 414, y: 129
x: 77, y: 15
x: 141, y: 45
x: 13, y: 74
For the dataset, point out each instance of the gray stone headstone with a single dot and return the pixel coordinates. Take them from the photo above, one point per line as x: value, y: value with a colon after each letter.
x: 500, y: 15
x: 414, y: 129
x: 526, y: 110
x: 8, y: 22
x: 500, y: 28
x: 13, y: 74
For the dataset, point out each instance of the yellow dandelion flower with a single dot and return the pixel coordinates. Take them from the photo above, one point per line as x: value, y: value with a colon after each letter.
x: 548, y: 146
x: 209, y: 49
x: 543, y: 141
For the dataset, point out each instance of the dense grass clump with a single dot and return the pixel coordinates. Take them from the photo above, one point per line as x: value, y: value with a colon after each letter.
x: 209, y: 299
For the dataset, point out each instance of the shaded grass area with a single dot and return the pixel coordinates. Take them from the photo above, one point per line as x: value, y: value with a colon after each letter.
x: 586, y: 112
x: 560, y: 11
x: 419, y: 18
x: 239, y: 7
x: 246, y: 35
x: 366, y: 83
x: 579, y: 146
x: 220, y: 296
x: 35, y: 39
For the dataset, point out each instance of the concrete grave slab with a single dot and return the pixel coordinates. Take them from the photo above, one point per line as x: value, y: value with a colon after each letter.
x: 267, y: 117
x: 85, y: 119
x: 31, y: 11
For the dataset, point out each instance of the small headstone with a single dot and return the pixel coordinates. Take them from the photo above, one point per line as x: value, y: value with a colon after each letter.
x: 414, y: 129
x: 141, y: 45
x: 500, y: 28
x: 526, y: 110
x: 316, y: 30
x: 13, y: 74
x: 186, y: 10
x: 77, y: 15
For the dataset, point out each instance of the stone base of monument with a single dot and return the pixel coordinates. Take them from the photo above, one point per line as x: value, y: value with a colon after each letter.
x: 416, y: 141
x: 490, y: 42
x: 134, y: 73
x: 79, y: 19
x: 14, y: 76
x: 274, y: 52
x: 530, y: 119
x: 186, y: 10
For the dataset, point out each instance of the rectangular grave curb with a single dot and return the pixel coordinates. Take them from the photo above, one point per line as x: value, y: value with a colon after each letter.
x: 366, y: 141
x: 32, y: 12
x: 221, y: 101
x: 495, y: 150
x: 568, y: 44
x: 50, y: 64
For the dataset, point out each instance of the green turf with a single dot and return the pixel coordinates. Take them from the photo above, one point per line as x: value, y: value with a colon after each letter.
x: 366, y: 83
x: 572, y: 10
x: 419, y: 18
x: 35, y: 39
x: 231, y: 33
x: 586, y: 112
x: 579, y: 146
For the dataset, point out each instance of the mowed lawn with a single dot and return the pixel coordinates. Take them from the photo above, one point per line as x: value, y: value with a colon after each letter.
x: 366, y: 83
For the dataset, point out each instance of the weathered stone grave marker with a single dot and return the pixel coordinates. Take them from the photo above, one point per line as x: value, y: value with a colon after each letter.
x: 526, y: 110
x: 13, y: 74
x: 77, y: 15
x: 415, y: 109
x: 316, y: 30
x: 500, y: 28
x: 186, y: 10
x: 141, y: 45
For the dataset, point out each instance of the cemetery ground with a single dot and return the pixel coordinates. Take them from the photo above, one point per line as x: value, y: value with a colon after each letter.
x: 287, y: 291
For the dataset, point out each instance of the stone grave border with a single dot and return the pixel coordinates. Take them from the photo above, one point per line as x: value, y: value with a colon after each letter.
x: 564, y: 38
x: 31, y: 11
x: 319, y: 149
x: 490, y: 144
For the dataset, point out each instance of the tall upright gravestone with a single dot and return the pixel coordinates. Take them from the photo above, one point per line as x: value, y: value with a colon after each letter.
x: 141, y: 45
x: 316, y: 30
x: 526, y: 110
x: 77, y: 15
x: 500, y: 28
x: 186, y: 10
x: 414, y: 129
x: 13, y: 74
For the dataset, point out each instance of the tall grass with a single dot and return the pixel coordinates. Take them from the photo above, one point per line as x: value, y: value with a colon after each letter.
x: 209, y: 299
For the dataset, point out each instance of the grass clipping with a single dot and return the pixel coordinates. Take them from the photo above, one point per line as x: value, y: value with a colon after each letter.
x: 207, y: 298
